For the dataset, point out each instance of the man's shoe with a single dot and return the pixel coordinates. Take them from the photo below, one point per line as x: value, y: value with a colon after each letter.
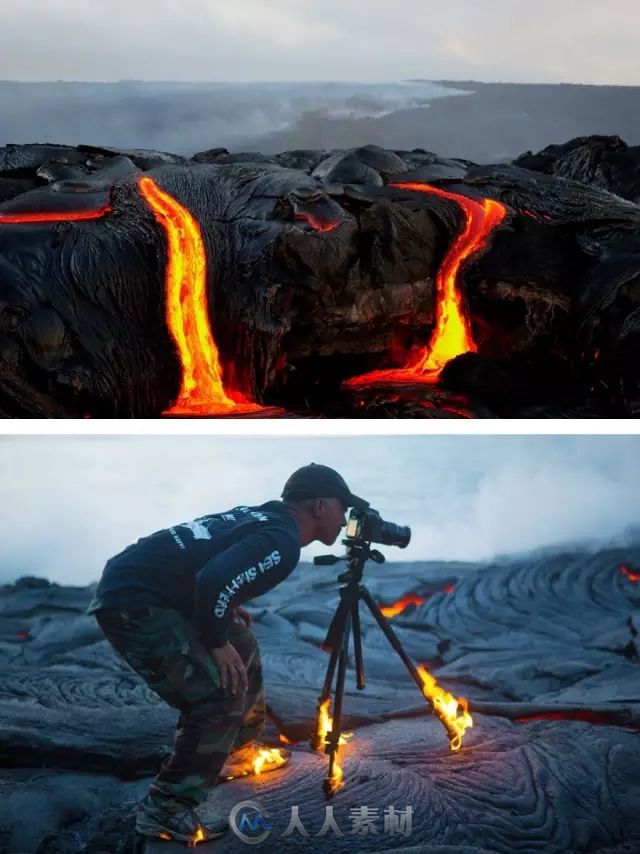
x: 254, y: 758
x: 183, y: 826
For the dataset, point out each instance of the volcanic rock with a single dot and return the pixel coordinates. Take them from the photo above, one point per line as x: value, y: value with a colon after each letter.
x: 319, y: 267
x: 543, y: 647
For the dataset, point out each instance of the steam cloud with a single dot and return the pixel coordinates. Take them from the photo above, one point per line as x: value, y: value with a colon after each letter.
x: 71, y: 502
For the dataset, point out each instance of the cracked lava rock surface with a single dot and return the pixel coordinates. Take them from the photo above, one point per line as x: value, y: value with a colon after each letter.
x: 544, y: 647
x: 261, y: 285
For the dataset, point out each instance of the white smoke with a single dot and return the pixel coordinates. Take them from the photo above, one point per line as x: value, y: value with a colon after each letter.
x: 71, y: 502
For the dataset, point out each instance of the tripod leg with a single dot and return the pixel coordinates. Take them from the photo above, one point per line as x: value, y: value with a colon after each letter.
x: 382, y: 621
x: 332, y: 642
x: 357, y: 645
x: 333, y: 780
x: 333, y: 638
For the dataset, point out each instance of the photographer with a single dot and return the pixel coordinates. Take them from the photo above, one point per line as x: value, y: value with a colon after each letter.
x: 170, y: 605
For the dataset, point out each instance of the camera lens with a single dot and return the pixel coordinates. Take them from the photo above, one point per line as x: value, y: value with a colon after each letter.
x: 394, y: 535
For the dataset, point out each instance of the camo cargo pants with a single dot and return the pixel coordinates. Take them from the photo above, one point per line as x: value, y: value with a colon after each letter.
x: 161, y: 645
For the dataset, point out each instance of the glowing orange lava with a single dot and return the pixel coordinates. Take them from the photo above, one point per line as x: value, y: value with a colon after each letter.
x: 446, y: 708
x: 52, y: 216
x: 452, y: 335
x: 398, y: 607
x: 316, y: 223
x: 411, y: 599
x: 202, y: 391
x: 632, y: 576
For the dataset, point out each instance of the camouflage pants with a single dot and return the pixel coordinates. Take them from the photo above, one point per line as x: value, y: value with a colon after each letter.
x: 161, y: 645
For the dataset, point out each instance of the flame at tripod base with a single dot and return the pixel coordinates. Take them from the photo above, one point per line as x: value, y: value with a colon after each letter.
x: 446, y: 708
x: 324, y: 727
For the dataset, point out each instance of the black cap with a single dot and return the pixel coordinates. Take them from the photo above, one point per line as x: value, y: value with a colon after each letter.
x: 317, y: 481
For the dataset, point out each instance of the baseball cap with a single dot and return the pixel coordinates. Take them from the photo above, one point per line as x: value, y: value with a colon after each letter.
x: 318, y: 481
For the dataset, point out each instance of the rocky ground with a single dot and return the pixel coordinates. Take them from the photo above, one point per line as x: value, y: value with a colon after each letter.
x: 545, y: 647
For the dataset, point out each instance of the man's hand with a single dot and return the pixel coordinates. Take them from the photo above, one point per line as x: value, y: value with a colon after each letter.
x: 240, y: 613
x: 231, y: 667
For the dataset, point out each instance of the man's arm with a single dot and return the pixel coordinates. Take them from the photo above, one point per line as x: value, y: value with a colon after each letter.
x: 249, y: 568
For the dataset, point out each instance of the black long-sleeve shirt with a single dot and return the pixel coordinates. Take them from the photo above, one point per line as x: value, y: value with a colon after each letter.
x: 206, y: 567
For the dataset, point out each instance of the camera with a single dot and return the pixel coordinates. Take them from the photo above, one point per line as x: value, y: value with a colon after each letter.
x: 367, y: 526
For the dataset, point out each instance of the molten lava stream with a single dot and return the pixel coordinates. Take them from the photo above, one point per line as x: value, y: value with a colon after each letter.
x: 202, y: 391
x: 402, y: 604
x: 632, y: 576
x: 54, y: 216
x: 452, y: 335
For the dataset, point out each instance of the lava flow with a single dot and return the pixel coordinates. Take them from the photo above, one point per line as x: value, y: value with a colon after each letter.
x: 446, y: 708
x: 398, y: 607
x: 54, y: 216
x: 317, y: 223
x: 401, y: 605
x: 452, y: 335
x: 202, y: 391
x: 632, y: 576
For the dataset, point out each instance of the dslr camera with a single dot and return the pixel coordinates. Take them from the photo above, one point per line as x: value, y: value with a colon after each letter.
x: 367, y: 526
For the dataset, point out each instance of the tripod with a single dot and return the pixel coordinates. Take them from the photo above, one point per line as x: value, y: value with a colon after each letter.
x: 346, y: 621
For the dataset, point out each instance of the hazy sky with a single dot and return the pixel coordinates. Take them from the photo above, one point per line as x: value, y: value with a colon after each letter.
x: 582, y: 41
x: 69, y: 503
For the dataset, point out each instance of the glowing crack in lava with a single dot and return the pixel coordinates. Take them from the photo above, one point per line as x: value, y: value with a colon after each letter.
x: 452, y: 335
x: 401, y: 605
x: 632, y: 576
x: 317, y: 223
x: 202, y: 391
x: 446, y: 708
x: 54, y: 216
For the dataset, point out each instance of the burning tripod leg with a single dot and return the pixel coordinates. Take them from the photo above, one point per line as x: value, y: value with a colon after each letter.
x: 326, y: 726
x: 346, y: 620
x: 444, y: 705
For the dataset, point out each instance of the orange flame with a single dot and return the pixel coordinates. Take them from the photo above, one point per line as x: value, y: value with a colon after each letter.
x: 199, y: 836
x: 202, y: 391
x: 51, y: 216
x: 632, y: 576
x: 399, y: 606
x: 452, y: 335
x: 266, y: 756
x: 323, y: 727
x: 325, y: 724
x: 446, y: 708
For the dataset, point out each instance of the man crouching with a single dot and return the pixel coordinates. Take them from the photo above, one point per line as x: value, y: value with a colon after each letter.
x: 170, y: 605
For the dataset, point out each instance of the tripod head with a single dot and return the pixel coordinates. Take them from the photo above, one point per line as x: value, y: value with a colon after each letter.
x: 356, y: 558
x: 365, y: 527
